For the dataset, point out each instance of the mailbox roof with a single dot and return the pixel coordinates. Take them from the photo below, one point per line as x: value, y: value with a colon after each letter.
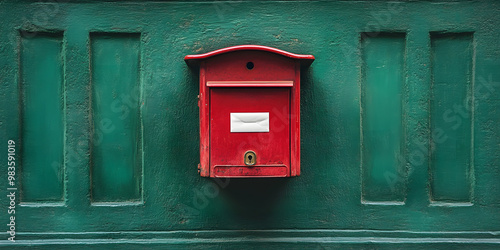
x: 306, y: 60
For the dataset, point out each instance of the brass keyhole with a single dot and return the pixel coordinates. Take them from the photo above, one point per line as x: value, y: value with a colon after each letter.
x: 250, y: 158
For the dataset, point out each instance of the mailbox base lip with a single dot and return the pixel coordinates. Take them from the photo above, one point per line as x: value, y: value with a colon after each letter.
x: 258, y: 171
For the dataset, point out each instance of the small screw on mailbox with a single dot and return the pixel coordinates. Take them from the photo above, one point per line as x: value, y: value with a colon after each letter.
x: 249, y: 107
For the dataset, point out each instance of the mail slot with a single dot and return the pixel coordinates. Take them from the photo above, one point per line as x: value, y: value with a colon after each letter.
x: 249, y: 104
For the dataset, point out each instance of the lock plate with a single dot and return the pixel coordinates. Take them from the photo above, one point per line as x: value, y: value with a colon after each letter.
x: 250, y: 158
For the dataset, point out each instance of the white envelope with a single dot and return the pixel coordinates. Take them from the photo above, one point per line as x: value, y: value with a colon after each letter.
x: 250, y: 122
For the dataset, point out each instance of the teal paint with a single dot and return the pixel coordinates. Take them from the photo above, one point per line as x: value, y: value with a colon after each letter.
x: 322, y: 207
x: 42, y: 110
x: 116, y: 149
x: 382, y: 117
x: 451, y: 117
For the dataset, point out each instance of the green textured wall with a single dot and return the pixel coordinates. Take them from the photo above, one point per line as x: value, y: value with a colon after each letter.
x: 399, y: 125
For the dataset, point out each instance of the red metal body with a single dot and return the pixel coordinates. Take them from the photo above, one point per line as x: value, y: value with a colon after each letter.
x: 249, y: 79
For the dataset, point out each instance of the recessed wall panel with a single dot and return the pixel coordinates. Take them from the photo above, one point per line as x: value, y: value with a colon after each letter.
x: 42, y: 87
x: 116, y: 167
x: 382, y: 133
x: 451, y: 116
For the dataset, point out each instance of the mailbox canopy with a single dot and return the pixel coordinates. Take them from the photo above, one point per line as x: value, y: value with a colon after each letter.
x: 276, y: 73
x: 192, y: 60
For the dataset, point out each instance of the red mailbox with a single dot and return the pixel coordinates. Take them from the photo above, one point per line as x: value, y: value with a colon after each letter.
x: 249, y: 111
